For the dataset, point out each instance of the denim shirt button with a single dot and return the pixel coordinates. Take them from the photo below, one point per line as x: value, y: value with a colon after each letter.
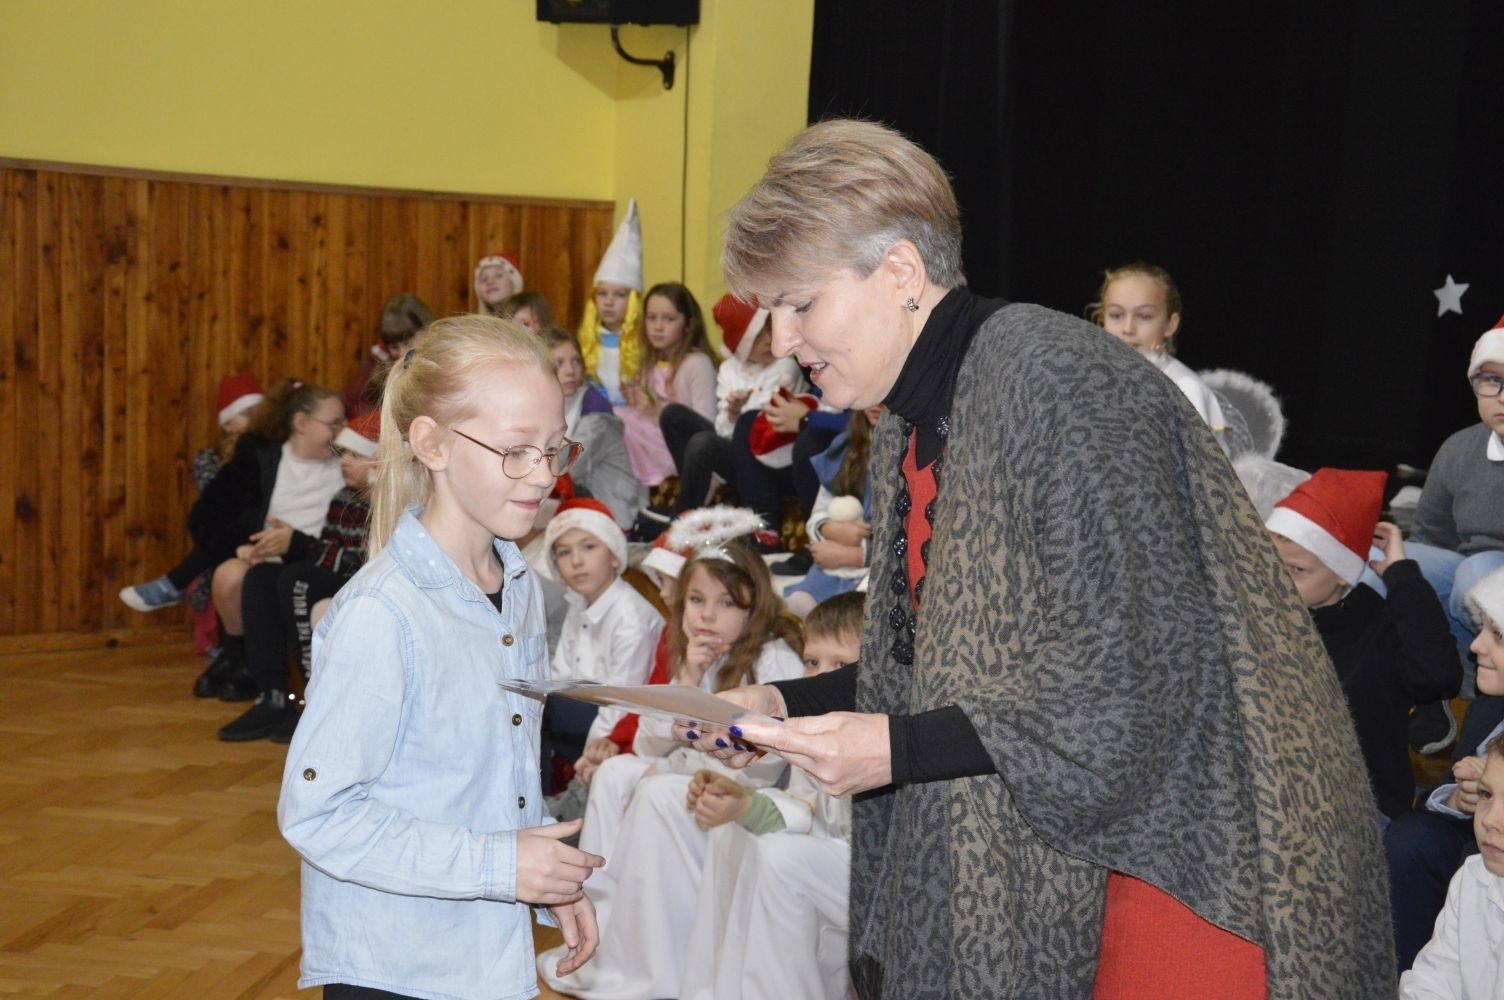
x: 309, y: 774
x: 507, y: 640
x: 517, y: 720
x: 522, y: 802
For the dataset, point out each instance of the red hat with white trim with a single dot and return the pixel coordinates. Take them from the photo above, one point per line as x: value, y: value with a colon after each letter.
x: 1490, y: 347
x: 697, y: 529
x: 237, y: 393
x: 1332, y: 515
x: 737, y: 319
x: 771, y: 446
x: 361, y: 435
x: 508, y: 262
x: 592, y: 517
x: 1487, y: 598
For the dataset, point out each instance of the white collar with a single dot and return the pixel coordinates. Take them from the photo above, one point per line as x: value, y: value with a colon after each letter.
x: 595, y: 612
x: 1495, y: 448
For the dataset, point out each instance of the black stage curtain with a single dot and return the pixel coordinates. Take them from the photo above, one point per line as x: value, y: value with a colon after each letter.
x: 1310, y: 173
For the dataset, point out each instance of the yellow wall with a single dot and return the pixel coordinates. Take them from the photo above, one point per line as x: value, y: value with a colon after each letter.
x: 463, y: 95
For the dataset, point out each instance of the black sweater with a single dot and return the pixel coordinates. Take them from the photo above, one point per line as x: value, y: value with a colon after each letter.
x: 1390, y: 655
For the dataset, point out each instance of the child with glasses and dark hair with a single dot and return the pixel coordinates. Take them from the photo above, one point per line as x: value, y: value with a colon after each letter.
x: 1457, y: 535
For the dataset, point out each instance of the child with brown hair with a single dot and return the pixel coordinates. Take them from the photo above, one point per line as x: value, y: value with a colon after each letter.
x: 679, y: 366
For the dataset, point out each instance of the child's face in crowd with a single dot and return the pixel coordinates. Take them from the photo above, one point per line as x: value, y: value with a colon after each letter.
x: 237, y: 424
x: 1134, y: 311
x: 668, y: 588
x: 514, y: 405
x: 761, y: 351
x: 1488, y: 818
x: 824, y: 652
x: 315, y: 430
x: 709, y: 610
x: 524, y: 317
x: 1318, y: 586
x: 586, y: 565
x: 1491, y: 409
x: 663, y: 323
x: 571, y: 369
x: 611, y: 304
x: 1488, y: 647
x: 494, y: 285
x: 358, y: 471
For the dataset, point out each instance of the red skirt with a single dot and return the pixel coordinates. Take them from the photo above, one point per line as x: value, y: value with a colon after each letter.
x: 1156, y: 948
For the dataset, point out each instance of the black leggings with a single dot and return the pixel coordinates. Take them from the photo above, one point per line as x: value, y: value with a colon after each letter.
x: 698, y: 452
x: 277, y: 600
x: 343, y: 991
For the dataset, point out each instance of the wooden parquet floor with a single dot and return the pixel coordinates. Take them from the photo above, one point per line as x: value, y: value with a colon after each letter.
x: 139, y: 855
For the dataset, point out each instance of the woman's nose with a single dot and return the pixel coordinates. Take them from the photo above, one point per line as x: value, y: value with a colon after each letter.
x: 785, y: 336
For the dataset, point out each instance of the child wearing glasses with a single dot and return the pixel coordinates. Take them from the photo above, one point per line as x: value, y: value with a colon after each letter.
x: 610, y: 631
x: 411, y: 787
x: 1457, y: 536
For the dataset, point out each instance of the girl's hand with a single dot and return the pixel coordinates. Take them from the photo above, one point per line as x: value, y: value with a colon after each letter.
x: 785, y: 414
x: 762, y: 698
x: 581, y: 934
x: 1387, y: 536
x: 845, y: 752
x: 247, y: 553
x: 736, y: 400
x: 830, y: 555
x: 272, y: 541
x: 846, y: 532
x: 702, y: 651
x: 550, y: 873
x: 717, y: 800
x: 599, y: 749
x: 1467, y: 771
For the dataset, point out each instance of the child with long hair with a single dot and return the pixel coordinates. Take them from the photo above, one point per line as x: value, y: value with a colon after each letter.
x: 727, y: 629
x: 679, y: 366
x: 610, y: 330
x: 411, y: 787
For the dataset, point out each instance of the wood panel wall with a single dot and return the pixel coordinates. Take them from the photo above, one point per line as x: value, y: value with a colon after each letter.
x: 124, y: 297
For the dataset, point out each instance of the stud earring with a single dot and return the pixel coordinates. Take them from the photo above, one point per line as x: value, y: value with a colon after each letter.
x: 911, y: 306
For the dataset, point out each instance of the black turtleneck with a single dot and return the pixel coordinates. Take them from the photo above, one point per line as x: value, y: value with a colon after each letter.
x: 940, y: 744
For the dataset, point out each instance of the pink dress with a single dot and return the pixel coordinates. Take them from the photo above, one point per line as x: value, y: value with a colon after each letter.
x: 694, y: 387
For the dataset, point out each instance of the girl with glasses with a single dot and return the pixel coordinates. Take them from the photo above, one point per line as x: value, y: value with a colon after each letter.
x: 412, y: 788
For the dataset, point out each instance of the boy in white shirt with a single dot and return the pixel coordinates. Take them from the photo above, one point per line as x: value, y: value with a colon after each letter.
x: 609, y: 632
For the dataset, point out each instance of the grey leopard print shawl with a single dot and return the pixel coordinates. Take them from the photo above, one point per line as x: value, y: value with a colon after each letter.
x: 1104, y: 603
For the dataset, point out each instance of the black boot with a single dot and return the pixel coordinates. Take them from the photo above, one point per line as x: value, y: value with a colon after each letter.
x: 270, y: 715
x: 229, y: 661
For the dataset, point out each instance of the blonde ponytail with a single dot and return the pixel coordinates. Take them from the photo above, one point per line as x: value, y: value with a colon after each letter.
x: 433, y: 380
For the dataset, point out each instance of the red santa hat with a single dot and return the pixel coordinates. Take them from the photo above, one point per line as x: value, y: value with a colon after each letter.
x: 361, y: 435
x: 1490, y: 347
x: 771, y: 446
x: 740, y: 323
x: 237, y: 393
x: 697, y: 529
x: 1487, y: 598
x: 1332, y: 515
x: 592, y: 517
x: 508, y: 262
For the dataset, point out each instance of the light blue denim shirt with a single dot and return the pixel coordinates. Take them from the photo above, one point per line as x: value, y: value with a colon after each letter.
x: 410, y: 773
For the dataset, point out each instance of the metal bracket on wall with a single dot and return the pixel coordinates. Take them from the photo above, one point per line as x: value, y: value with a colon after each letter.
x: 665, y: 65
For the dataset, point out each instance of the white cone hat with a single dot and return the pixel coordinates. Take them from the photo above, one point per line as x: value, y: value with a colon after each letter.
x: 622, y: 264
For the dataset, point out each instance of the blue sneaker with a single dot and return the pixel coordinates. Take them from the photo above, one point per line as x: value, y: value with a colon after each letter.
x: 149, y: 596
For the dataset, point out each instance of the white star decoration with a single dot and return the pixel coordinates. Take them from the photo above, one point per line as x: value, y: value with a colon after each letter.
x: 1449, y: 298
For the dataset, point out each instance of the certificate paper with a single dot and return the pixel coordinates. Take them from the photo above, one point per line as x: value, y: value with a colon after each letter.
x: 666, y: 701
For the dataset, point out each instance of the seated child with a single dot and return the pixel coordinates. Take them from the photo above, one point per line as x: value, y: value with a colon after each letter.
x: 679, y: 367
x: 278, y: 599
x: 604, y: 469
x: 770, y: 914
x: 609, y: 634
x: 610, y: 331
x: 1463, y: 959
x: 1390, y: 653
x: 529, y: 309
x: 402, y: 319
x: 839, y: 531
x: 498, y: 277
x: 1139, y: 304
x: 748, y: 378
x: 731, y: 632
x: 1425, y: 847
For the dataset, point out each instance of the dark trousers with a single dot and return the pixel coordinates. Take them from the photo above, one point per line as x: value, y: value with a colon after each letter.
x: 1424, y: 849
x: 698, y: 453
x: 277, y: 600
x: 343, y: 991
x: 196, y: 563
x: 763, y: 488
x: 566, y: 723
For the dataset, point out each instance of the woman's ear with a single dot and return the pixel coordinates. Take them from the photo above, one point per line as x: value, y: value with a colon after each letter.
x: 905, y: 266
x: 429, y: 443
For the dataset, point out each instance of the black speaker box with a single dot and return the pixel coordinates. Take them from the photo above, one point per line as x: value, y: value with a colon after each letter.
x: 681, y: 12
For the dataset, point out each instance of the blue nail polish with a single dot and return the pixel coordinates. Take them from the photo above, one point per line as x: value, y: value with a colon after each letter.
x: 692, y: 735
x: 740, y: 747
x: 736, y: 731
x: 780, y: 718
x: 720, y: 743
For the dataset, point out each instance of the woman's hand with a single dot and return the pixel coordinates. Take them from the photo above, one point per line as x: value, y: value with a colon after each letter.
x: 1387, y: 536
x: 716, y: 799
x: 581, y: 934
x: 785, y: 413
x: 846, y: 532
x: 845, y: 752
x: 272, y: 541
x: 551, y: 873
x: 829, y: 555
x: 1467, y: 771
x: 761, y: 698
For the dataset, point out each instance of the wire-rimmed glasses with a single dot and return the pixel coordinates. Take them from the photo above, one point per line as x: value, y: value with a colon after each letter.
x: 518, y: 462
